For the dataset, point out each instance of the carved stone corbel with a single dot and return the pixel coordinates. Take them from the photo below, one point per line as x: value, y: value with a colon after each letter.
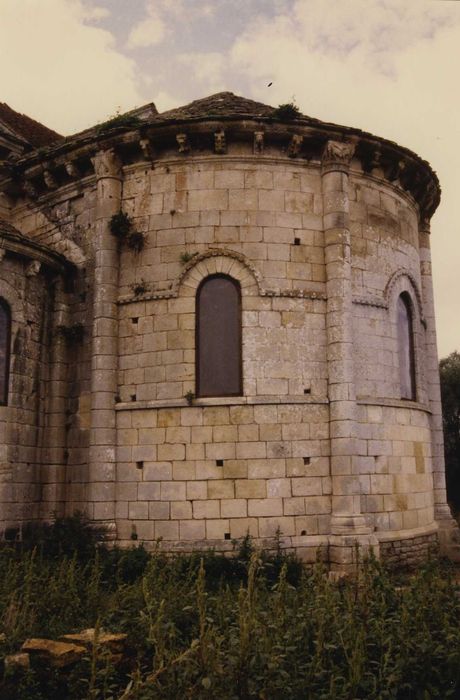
x: 220, y: 144
x: 259, y: 141
x: 183, y: 143
x: 400, y: 168
x: 295, y: 145
x: 376, y: 165
x: 146, y: 148
x: 33, y: 268
x: 338, y: 153
x: 50, y: 180
x: 72, y: 169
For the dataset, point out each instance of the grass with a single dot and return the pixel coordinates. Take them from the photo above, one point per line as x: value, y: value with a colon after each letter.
x: 255, y: 626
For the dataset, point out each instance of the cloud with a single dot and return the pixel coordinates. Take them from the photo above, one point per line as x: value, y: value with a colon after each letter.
x: 207, y: 67
x: 162, y: 17
x: 149, y: 31
x: 58, y: 68
x: 386, y: 67
x: 165, y: 100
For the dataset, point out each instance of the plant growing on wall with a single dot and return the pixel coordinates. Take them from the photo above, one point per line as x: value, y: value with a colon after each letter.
x: 189, y: 397
x: 186, y: 257
x: 287, y: 112
x: 121, y: 226
x: 127, y: 121
x: 139, y: 287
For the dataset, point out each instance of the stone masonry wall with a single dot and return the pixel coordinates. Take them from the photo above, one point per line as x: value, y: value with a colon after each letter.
x: 212, y: 471
x: 21, y: 420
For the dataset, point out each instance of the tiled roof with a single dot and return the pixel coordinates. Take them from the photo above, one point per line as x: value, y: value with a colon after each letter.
x: 28, y: 129
x: 222, y: 104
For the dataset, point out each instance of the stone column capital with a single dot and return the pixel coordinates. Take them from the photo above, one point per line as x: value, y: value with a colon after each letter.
x: 107, y: 164
x: 337, y: 155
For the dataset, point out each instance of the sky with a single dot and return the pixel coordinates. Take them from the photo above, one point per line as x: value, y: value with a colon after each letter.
x: 386, y: 66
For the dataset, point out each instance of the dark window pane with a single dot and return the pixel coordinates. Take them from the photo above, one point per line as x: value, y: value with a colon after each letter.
x: 219, y: 338
x: 5, y: 324
x: 406, y: 349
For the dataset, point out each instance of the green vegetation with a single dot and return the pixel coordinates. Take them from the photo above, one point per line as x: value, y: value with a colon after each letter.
x: 449, y: 369
x: 204, y: 626
x: 287, y: 112
x: 118, y: 121
x: 186, y: 256
x: 121, y: 226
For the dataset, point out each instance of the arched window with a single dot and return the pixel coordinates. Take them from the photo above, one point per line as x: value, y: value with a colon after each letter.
x: 406, y: 354
x: 218, y: 337
x: 5, y: 339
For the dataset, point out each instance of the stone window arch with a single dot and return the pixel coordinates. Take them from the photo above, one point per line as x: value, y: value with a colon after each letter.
x: 5, y: 344
x: 218, y: 337
x: 406, y: 350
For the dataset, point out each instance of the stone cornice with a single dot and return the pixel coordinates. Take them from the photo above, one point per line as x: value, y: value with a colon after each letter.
x: 302, y: 139
x: 33, y: 251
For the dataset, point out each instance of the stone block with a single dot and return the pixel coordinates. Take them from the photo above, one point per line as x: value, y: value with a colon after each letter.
x: 192, y: 529
x: 172, y: 491
x: 206, y: 509
x: 241, y: 527
x: 251, y: 450
x: 171, y: 452
x: 250, y: 488
x: 294, y: 506
x: 138, y: 510
x: 157, y: 471
x: 270, y: 527
x: 265, y: 507
x: 278, y: 488
x: 181, y: 510
x: 197, y: 490
x: 167, y: 530
x: 306, y: 486
x: 221, y: 488
x: 217, y: 529
x: 159, y: 510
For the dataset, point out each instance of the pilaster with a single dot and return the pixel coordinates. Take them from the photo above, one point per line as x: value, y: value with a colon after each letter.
x: 348, y: 525
x: 102, y: 451
x: 54, y: 458
x: 449, y: 533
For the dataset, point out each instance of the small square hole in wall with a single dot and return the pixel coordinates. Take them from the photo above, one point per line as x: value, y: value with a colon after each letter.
x: 303, y: 533
x: 219, y: 462
x: 140, y: 464
x: 133, y: 397
x: 226, y: 536
x: 135, y: 320
x: 306, y: 460
x: 307, y: 390
x: 296, y: 241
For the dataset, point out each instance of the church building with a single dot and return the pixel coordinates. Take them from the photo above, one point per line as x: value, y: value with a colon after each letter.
x: 218, y: 321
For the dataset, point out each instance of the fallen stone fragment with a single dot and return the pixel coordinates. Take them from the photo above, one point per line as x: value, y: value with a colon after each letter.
x: 57, y: 654
x: 16, y: 662
x: 114, y: 642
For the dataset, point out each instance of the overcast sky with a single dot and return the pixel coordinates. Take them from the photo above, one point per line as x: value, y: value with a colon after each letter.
x: 387, y: 66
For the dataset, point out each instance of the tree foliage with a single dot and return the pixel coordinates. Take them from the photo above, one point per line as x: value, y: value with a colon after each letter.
x: 449, y: 368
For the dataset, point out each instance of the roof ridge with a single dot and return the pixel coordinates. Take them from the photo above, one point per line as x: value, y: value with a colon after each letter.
x: 28, y: 129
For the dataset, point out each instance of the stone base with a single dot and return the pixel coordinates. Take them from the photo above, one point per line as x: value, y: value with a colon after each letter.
x: 449, y: 538
x: 346, y: 551
x: 410, y: 548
